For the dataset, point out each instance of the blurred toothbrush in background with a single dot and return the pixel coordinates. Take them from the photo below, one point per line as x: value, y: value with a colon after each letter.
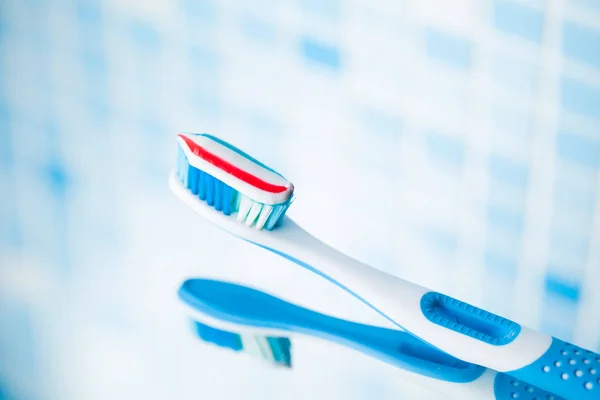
x: 247, y: 320
x: 248, y: 199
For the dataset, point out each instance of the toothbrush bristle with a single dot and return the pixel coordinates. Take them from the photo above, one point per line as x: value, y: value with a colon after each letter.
x: 274, y: 350
x: 226, y: 199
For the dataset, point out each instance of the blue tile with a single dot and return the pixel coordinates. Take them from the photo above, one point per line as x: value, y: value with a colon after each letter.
x: 91, y: 37
x: 6, y: 150
x: 318, y: 52
x: 581, y: 43
x: 448, y: 48
x: 206, y: 104
x: 153, y: 129
x: 17, y: 347
x: 14, y: 234
x: 518, y: 19
x: 381, y: 122
x: 445, y: 148
x: 9, y: 218
x: 4, y: 30
x: 502, y: 263
x: 95, y: 62
x: 99, y: 109
x: 56, y: 176
x: 589, y: 5
x: 205, y: 60
x: 329, y: 9
x: 557, y: 286
x: 145, y: 35
x: 580, y: 98
x: 507, y: 171
x: 578, y: 149
x: 89, y: 12
x: 259, y: 30
x: 199, y: 10
x: 52, y: 137
x: 505, y: 220
x: 443, y: 240
x: 263, y: 125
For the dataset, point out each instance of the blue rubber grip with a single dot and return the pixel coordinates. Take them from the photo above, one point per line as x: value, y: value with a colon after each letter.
x: 469, y: 320
x: 509, y: 388
x: 565, y: 370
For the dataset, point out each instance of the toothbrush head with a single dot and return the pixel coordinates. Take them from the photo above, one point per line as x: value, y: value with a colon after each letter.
x: 274, y: 350
x: 231, y: 181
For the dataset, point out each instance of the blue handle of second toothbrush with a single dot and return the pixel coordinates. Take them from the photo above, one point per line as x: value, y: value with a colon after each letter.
x: 248, y: 307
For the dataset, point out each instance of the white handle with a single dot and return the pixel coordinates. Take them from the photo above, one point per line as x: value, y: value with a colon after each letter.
x: 397, y: 299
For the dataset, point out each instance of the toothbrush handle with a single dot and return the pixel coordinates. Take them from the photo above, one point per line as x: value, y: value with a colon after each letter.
x: 564, y: 369
x: 457, y: 328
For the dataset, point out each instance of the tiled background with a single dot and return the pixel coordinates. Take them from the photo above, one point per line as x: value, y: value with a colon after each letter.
x: 456, y: 144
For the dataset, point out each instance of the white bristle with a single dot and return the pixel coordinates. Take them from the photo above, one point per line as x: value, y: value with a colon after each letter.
x: 254, y: 211
x: 265, y: 347
x: 245, y: 206
x: 264, y: 215
x: 277, y: 211
x: 252, y: 346
x: 184, y: 174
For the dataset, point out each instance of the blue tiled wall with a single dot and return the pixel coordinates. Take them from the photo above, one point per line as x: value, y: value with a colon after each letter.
x: 451, y: 145
x: 516, y: 18
x: 448, y: 48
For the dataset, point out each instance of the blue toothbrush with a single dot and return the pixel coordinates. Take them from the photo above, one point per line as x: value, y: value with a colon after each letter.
x: 241, y: 318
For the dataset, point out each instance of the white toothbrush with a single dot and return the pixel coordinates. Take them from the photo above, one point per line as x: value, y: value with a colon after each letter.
x: 249, y: 200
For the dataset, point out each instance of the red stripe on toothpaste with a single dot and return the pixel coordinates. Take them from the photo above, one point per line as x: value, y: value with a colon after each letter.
x: 230, y: 168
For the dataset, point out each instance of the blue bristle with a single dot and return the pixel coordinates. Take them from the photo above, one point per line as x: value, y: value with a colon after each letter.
x: 228, y: 194
x: 193, y: 179
x: 184, y: 171
x: 276, y: 215
x: 210, y: 190
x: 202, y: 186
x: 219, y: 337
x: 183, y: 163
x: 281, y: 349
x: 219, y: 186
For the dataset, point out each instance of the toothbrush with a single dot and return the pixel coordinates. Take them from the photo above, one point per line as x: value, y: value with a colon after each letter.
x: 220, y: 309
x: 249, y: 200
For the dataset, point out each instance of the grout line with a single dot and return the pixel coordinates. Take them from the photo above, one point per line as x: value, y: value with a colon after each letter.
x: 539, y: 201
x: 587, y: 329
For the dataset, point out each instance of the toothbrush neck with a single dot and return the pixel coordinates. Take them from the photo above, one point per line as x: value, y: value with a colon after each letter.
x: 379, y: 290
